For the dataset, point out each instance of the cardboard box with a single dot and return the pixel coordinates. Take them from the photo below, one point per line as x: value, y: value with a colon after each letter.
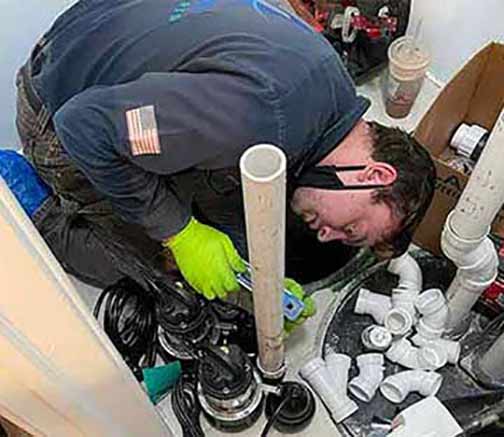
x: 475, y: 95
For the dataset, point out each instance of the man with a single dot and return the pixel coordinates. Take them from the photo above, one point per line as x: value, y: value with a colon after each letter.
x: 136, y: 114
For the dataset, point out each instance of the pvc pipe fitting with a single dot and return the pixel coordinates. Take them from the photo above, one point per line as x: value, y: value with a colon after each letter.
x: 398, y: 321
x: 377, y: 338
x: 371, y: 372
x: 430, y: 301
x: 451, y: 347
x: 463, y: 294
x: 338, y: 366
x: 432, y: 356
x: 462, y: 251
x: 428, y: 332
x: 404, y: 299
x: 432, y: 305
x: 374, y: 304
x: 340, y: 406
x: 396, y: 388
x: 478, y: 266
x: 404, y: 353
x: 408, y: 270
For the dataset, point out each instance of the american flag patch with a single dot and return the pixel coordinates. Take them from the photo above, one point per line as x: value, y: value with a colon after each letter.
x: 142, y: 131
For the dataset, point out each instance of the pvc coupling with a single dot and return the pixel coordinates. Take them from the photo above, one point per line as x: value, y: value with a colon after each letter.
x: 371, y: 371
x: 374, y: 304
x: 329, y: 381
x: 397, y: 387
x: 398, y: 321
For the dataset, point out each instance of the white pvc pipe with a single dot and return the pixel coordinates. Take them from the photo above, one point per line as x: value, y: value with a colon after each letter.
x: 263, y: 175
x: 371, y: 372
x: 374, y: 304
x: 467, y: 287
x: 329, y: 388
x: 396, y: 388
x: 464, y: 234
x: 483, y: 195
x: 451, y: 347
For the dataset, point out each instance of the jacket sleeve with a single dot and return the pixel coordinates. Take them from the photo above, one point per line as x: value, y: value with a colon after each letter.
x: 132, y: 140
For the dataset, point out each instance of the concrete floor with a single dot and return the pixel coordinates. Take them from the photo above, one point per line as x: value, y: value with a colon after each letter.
x: 301, y: 344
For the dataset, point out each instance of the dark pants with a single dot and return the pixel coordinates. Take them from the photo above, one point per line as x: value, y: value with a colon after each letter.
x: 95, y: 245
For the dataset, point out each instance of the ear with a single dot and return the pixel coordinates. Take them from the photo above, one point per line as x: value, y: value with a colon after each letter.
x: 378, y: 173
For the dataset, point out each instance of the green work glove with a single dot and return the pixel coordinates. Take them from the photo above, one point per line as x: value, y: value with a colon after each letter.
x: 309, y: 310
x: 207, y: 259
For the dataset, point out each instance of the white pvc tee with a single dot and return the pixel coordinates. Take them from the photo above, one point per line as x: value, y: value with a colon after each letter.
x: 371, y: 371
x: 374, y: 304
x: 330, y: 385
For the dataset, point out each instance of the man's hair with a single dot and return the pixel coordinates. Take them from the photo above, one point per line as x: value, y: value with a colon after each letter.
x: 410, y: 195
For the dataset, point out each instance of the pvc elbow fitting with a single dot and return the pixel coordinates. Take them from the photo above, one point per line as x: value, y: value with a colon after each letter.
x: 427, y: 357
x: 432, y: 305
x: 462, y: 251
x: 374, y: 304
x: 398, y: 321
x: 409, y: 272
x: 452, y: 348
x: 404, y: 353
x: 405, y: 299
x: 397, y: 387
x: 329, y: 386
x: 371, y: 371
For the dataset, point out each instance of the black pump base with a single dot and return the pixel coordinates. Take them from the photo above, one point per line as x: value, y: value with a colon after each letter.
x: 297, y: 410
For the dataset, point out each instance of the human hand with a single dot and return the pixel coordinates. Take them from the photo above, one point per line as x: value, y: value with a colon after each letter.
x: 297, y: 290
x: 207, y: 259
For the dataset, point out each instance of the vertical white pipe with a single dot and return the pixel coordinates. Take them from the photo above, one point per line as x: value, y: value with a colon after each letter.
x: 463, y: 239
x: 483, y: 195
x: 263, y: 174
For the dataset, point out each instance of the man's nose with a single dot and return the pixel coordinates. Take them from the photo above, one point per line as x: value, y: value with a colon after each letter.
x: 326, y: 234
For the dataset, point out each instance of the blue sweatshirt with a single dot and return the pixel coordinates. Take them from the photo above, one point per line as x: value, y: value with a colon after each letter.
x: 143, y: 90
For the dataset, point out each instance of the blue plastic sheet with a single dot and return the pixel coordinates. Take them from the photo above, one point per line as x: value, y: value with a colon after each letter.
x: 22, y: 179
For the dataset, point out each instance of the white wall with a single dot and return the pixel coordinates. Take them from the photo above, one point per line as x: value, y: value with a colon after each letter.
x: 23, y: 21
x: 454, y: 29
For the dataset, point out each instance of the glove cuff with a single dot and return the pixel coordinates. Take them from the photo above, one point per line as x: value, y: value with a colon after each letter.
x: 175, y: 240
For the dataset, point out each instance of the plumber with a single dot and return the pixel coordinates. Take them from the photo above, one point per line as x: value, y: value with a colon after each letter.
x: 136, y: 113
